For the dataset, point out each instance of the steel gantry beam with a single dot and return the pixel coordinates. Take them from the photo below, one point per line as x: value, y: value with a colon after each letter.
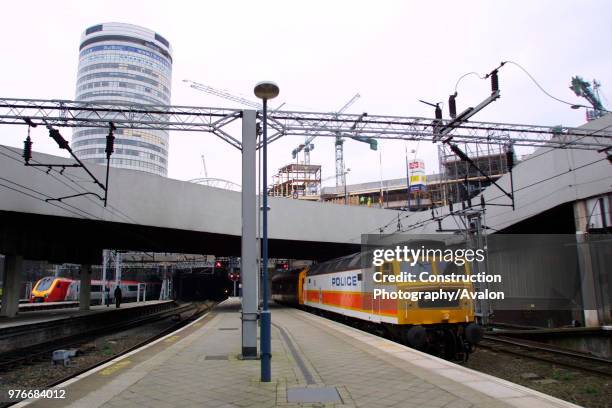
x: 65, y: 113
x: 417, y: 128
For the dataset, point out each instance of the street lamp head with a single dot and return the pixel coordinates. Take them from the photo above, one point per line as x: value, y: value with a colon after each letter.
x: 576, y: 106
x: 266, y: 90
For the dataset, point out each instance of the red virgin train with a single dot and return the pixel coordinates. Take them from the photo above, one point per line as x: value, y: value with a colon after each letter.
x: 53, y: 289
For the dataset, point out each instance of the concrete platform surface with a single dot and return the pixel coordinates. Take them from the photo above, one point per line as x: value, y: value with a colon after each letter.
x: 37, y: 316
x: 316, y: 362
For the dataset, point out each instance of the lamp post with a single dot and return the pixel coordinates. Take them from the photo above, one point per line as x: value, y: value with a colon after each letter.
x: 345, y: 183
x: 265, y: 90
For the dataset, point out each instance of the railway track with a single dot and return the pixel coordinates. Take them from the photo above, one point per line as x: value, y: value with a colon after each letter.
x: 549, y: 354
x: 44, y: 352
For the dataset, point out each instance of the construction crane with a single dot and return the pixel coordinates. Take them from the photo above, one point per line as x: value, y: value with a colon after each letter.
x: 583, y: 89
x: 222, y: 94
x: 307, y: 146
x: 339, y: 146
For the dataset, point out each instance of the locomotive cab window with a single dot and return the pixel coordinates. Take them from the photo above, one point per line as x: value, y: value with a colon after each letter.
x: 44, y: 284
x: 423, y: 269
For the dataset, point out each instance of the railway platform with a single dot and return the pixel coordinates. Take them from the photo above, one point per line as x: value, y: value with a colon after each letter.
x: 315, y: 362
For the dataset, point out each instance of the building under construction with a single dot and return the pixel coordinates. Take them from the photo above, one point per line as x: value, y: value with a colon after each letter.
x: 460, y: 180
x: 297, y: 181
x: 456, y: 181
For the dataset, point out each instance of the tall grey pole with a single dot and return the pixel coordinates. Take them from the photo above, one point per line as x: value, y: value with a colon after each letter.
x: 249, y: 270
x: 265, y: 90
x: 266, y: 322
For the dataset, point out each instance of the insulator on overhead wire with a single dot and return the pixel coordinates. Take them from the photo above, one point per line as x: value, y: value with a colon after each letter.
x: 438, y: 112
x: 455, y: 149
x: 452, y: 106
x: 482, y: 201
x: 494, y: 82
x: 27, y: 149
x: 56, y: 135
x: 110, y: 142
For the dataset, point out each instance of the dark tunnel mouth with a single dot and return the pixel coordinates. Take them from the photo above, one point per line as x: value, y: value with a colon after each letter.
x: 200, y: 284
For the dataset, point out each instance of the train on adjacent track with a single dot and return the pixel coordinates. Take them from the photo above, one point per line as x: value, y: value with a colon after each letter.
x: 55, y: 289
x: 343, y: 289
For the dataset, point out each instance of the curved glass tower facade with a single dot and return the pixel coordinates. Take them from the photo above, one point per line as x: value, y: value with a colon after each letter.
x: 124, y: 63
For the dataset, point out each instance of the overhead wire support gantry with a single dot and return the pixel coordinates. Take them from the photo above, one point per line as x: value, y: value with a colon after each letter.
x: 422, y: 129
x: 64, y: 113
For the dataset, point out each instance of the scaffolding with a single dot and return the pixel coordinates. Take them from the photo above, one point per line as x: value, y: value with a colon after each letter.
x: 460, y: 181
x: 297, y: 181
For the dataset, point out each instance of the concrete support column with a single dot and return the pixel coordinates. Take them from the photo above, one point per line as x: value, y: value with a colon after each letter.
x: 585, y: 263
x: 249, y: 271
x: 13, y: 268
x: 85, y: 290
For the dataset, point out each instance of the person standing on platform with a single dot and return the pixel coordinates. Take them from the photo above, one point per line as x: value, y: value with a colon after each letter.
x: 107, y: 296
x: 118, y: 296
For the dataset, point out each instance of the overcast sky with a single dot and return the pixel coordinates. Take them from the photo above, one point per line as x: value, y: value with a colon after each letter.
x: 321, y: 53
